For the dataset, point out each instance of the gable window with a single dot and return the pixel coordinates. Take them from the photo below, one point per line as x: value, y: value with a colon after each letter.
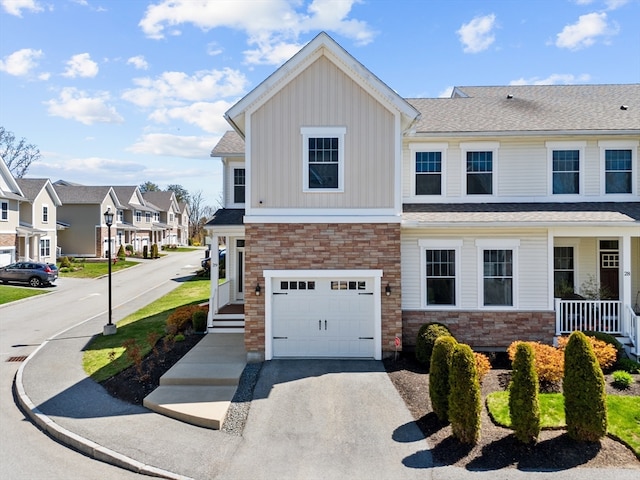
x: 566, y: 171
x: 617, y: 171
x: 120, y: 216
x: 238, y: 185
x: 138, y: 216
x: 563, y: 271
x: 45, y: 247
x: 323, y: 158
x: 440, y: 272
x: 498, y: 264
x: 45, y: 213
x: 4, y: 211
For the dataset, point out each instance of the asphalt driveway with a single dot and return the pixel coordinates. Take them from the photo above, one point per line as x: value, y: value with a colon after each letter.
x: 321, y: 419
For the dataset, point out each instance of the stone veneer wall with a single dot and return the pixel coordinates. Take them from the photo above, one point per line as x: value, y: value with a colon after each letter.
x: 321, y: 246
x: 484, y: 330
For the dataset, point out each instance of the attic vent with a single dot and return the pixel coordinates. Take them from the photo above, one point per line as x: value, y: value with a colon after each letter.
x: 509, y: 96
x: 624, y: 107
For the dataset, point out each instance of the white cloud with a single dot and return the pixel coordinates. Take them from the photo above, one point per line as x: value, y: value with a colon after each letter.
x: 207, y: 116
x: 15, y: 7
x: 20, y: 62
x: 214, y: 49
x: 174, y: 145
x: 177, y: 88
x: 477, y: 35
x: 553, y: 79
x: 585, y: 31
x: 76, y: 105
x: 139, y: 62
x: 615, y: 4
x: 274, y: 26
x: 81, y: 65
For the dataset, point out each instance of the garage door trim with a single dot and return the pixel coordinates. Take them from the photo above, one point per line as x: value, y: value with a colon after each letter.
x: 375, y: 275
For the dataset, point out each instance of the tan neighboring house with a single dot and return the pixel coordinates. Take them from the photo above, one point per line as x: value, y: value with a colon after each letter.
x: 37, y: 232
x: 10, y: 199
x: 167, y: 218
x: 183, y: 220
x: 352, y: 215
x: 82, y: 215
x: 137, y: 219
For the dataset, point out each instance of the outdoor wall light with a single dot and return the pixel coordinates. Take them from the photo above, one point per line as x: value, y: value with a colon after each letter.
x: 387, y: 290
x: 258, y: 289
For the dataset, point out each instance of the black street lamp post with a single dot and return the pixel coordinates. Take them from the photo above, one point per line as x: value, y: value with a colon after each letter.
x: 109, y: 328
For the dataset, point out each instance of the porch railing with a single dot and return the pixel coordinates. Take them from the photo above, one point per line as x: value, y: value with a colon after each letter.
x: 631, y: 327
x: 593, y: 315
x: 224, y: 294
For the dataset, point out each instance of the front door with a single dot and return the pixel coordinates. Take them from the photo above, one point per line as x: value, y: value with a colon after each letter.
x: 610, y: 268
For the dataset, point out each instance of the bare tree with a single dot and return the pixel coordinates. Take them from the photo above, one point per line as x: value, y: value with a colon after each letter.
x: 17, y: 155
x: 200, y: 215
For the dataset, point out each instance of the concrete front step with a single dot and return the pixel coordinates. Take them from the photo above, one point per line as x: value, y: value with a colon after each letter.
x: 204, y: 406
x: 204, y: 374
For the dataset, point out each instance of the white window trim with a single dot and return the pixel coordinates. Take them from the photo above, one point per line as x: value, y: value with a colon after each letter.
x: 619, y: 145
x: 498, y: 244
x: 429, y: 147
x: 558, y: 242
x: 4, y: 207
x: 479, y: 147
x: 311, y: 132
x: 580, y: 146
x: 45, y: 206
x: 232, y: 199
x: 440, y: 244
x: 43, y: 249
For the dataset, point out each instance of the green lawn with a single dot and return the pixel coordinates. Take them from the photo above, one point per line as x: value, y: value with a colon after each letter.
x: 104, y: 357
x: 623, y: 414
x: 9, y: 293
x: 81, y: 269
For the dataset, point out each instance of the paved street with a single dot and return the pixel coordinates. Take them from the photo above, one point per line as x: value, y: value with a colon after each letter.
x: 25, y: 452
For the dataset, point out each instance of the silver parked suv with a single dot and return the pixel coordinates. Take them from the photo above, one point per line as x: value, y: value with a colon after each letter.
x: 34, y: 273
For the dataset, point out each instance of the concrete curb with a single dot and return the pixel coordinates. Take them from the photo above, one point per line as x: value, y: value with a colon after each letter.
x: 76, y: 442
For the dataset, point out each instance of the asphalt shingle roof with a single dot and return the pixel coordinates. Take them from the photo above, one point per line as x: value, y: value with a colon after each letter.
x: 31, y: 187
x: 81, y: 193
x: 227, y: 216
x: 230, y: 144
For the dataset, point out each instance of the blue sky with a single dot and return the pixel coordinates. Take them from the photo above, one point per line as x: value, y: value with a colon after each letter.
x: 126, y: 91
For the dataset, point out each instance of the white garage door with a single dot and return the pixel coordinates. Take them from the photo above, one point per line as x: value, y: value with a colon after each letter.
x: 323, y: 317
x: 6, y: 257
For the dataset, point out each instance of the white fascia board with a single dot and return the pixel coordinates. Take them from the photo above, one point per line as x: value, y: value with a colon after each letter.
x: 587, y: 225
x: 523, y: 133
x: 322, y: 212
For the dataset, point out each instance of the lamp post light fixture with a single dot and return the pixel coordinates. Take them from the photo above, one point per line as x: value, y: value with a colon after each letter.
x: 109, y: 328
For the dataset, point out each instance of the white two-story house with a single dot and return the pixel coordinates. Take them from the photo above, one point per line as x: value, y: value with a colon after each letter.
x: 353, y: 216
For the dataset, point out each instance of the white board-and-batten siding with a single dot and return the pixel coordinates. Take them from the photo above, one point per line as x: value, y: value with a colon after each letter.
x: 532, y: 269
x: 322, y: 96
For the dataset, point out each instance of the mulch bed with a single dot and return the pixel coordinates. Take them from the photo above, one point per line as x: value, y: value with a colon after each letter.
x: 132, y: 385
x: 498, y: 447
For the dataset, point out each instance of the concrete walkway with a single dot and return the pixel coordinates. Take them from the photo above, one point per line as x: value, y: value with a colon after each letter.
x: 199, y: 388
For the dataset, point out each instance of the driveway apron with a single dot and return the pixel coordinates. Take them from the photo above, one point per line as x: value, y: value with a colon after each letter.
x: 317, y: 419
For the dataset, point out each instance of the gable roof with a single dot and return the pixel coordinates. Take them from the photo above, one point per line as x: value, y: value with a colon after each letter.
x: 164, y: 200
x: 31, y: 187
x: 9, y: 188
x: 532, y: 109
x: 83, y: 194
x: 321, y: 45
x: 230, y: 145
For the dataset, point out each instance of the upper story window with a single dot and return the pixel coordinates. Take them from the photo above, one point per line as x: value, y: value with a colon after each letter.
x: 4, y: 211
x: 428, y: 168
x: 45, y: 213
x: 120, y: 216
x: 138, y: 216
x: 566, y: 172
x: 156, y: 216
x: 480, y: 163
x: 147, y: 217
x: 323, y: 158
x: 617, y: 171
x: 238, y: 185
x: 171, y: 217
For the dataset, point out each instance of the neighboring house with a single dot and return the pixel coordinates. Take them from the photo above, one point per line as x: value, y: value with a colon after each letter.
x: 82, y: 214
x: 10, y: 199
x: 37, y: 232
x: 183, y: 220
x: 352, y: 215
x: 168, y: 215
x: 138, y: 225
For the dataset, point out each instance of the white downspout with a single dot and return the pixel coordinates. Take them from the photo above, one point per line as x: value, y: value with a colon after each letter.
x: 213, y: 273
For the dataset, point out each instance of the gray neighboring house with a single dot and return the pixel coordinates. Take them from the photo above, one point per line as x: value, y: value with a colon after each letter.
x: 84, y: 232
x: 168, y: 217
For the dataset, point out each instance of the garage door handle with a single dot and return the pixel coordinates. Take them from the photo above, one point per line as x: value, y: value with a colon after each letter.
x: 319, y: 324
x: 365, y: 293
x: 280, y: 293
x: 365, y: 338
x: 325, y: 324
x: 280, y: 338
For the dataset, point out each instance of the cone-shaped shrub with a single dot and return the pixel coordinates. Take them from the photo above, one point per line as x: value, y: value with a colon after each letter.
x: 439, y: 376
x: 585, y: 405
x: 524, y: 406
x: 464, y: 396
x: 426, y: 338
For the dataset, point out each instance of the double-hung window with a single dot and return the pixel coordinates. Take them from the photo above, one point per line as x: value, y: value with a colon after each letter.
x: 323, y: 158
x: 566, y: 167
x: 619, y: 166
x: 4, y: 211
x: 428, y: 166
x: 480, y: 161
x: 498, y: 265
x: 45, y: 247
x: 440, y: 272
x: 563, y: 271
x: 45, y: 214
x: 238, y: 185
x: 138, y: 216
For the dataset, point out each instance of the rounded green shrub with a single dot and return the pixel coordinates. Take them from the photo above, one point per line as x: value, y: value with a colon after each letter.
x: 622, y: 379
x: 628, y: 365
x: 610, y: 339
x: 439, y: 376
x: 199, y: 320
x: 524, y: 406
x: 583, y: 385
x: 464, y: 396
x: 426, y: 338
x: 65, y: 262
x: 154, y: 251
x: 121, y: 254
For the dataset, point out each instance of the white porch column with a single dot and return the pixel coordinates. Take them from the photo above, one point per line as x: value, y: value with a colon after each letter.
x: 625, y: 271
x: 213, y: 273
